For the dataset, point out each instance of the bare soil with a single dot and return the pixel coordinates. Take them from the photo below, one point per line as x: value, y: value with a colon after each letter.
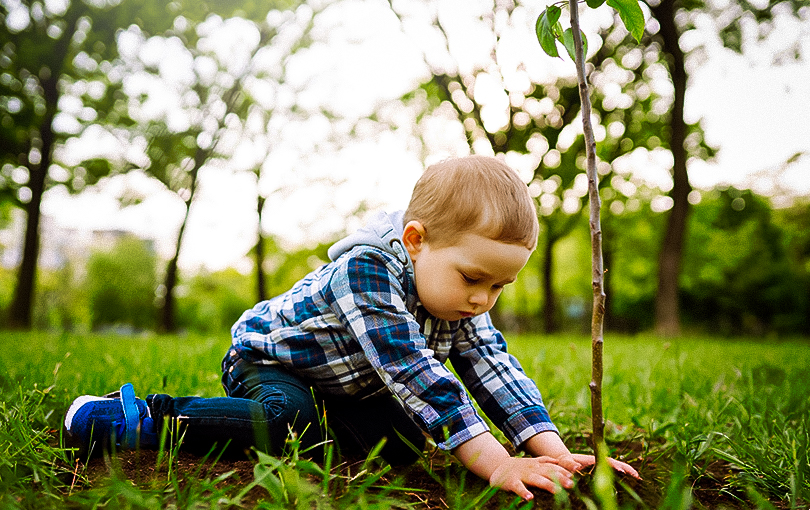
x: 428, y: 493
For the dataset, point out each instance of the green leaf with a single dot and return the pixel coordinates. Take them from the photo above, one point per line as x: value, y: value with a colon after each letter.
x: 568, y: 42
x: 557, y: 29
x: 553, y: 14
x: 593, y: 4
x: 631, y: 15
x: 545, y: 30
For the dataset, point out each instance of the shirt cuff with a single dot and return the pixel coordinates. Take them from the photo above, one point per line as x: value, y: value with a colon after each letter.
x: 528, y: 422
x: 457, y: 428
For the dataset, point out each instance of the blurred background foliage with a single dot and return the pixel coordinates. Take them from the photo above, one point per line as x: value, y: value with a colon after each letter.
x: 117, y: 290
x: 89, y: 70
x: 746, y: 272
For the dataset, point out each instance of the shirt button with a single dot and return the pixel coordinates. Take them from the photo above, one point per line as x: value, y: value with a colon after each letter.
x: 230, y: 369
x: 232, y: 354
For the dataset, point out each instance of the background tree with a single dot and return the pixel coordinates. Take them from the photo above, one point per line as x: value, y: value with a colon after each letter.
x: 674, y: 18
x: 795, y: 222
x: 213, y: 102
x: 214, y: 107
x: 59, y: 77
x: 47, y: 49
x: 210, y: 302
x: 274, y: 107
x: 739, y: 275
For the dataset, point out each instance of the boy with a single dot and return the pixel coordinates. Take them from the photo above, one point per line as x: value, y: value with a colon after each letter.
x: 364, y: 339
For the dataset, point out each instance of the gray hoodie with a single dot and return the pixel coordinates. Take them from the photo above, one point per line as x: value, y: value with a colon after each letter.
x: 384, y: 231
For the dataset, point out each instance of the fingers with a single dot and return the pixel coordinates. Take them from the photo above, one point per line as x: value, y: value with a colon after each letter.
x: 512, y: 481
x: 621, y: 467
x: 516, y: 474
x: 518, y: 488
x: 569, y: 463
x: 545, y: 458
x: 547, y: 473
x: 549, y: 476
x: 584, y: 460
x: 550, y: 481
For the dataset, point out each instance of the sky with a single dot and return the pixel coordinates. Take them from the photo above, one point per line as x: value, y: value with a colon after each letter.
x: 756, y: 112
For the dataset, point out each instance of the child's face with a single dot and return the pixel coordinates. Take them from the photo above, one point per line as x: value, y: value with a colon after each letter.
x: 464, y: 279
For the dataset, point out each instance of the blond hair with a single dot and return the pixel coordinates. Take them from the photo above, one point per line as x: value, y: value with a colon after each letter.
x: 473, y: 194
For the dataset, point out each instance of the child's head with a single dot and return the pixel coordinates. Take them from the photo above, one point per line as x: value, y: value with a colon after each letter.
x: 469, y: 229
x: 473, y: 194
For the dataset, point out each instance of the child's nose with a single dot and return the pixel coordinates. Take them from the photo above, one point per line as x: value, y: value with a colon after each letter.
x: 479, y: 298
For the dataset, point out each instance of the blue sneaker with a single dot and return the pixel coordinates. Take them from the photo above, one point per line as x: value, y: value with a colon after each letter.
x: 118, y: 418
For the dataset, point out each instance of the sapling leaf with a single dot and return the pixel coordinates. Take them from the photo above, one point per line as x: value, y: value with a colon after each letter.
x: 553, y: 14
x: 631, y: 15
x: 545, y: 28
x: 568, y: 42
x: 558, y: 31
x: 593, y: 4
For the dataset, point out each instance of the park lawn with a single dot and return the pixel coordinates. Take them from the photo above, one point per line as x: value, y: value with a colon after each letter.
x: 708, y: 422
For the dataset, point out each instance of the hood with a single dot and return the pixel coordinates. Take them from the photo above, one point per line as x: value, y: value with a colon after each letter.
x: 384, y: 231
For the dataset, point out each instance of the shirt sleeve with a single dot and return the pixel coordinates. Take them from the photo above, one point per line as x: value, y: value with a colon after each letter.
x: 497, y: 382
x: 368, y: 298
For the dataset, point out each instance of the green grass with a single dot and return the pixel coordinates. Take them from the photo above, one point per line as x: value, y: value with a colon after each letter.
x: 703, y: 419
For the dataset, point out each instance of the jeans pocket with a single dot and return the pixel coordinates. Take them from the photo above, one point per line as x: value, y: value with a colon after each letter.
x: 246, y: 380
x: 275, y: 401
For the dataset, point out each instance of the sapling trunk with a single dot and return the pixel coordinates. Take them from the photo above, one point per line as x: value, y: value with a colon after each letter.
x: 598, y: 316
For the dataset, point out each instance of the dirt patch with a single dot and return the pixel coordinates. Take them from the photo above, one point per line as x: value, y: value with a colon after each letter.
x: 433, y: 487
x: 148, y: 468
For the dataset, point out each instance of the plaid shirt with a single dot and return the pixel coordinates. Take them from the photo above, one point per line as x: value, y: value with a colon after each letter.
x: 355, y: 327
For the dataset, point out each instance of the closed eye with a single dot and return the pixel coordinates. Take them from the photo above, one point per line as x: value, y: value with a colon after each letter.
x: 468, y: 279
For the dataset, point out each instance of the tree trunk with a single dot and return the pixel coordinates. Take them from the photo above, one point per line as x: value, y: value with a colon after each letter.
x: 23, y: 301
x: 261, y: 287
x: 168, y: 319
x: 168, y: 323
x: 667, y: 316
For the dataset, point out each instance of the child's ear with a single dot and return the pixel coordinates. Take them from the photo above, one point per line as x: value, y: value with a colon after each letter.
x: 413, y: 237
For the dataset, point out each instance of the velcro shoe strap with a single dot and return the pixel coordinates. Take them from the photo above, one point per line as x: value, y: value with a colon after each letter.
x: 131, y: 416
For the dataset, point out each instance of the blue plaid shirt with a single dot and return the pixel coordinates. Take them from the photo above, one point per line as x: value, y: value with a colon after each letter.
x: 356, y: 327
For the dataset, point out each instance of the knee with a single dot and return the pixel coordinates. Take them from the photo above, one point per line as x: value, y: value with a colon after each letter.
x: 405, y: 447
x: 288, y: 415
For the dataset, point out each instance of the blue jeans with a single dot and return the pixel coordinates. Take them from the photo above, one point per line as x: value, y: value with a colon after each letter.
x: 265, y: 402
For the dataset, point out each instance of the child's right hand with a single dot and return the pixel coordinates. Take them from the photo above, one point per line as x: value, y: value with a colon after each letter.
x: 515, y: 473
x: 487, y: 458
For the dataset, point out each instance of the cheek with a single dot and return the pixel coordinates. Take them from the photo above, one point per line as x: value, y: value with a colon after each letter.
x: 429, y: 284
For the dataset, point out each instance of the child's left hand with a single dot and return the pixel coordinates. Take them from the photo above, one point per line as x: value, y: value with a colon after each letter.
x: 585, y: 461
x: 550, y: 444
